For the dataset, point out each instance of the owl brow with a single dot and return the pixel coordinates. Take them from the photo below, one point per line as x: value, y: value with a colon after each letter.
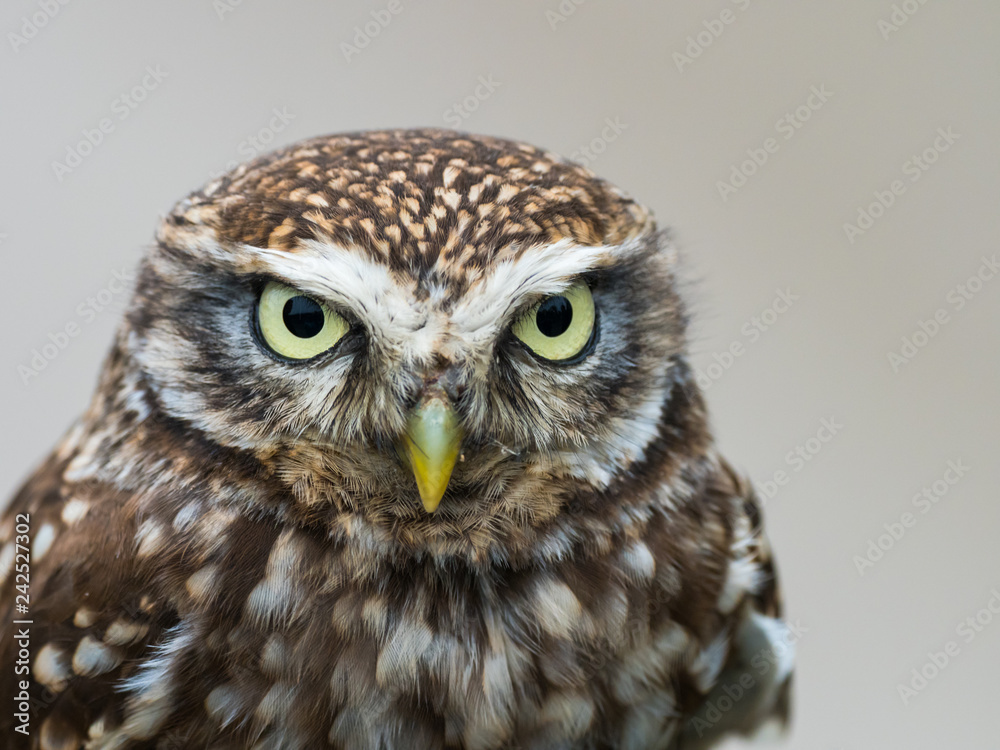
x: 257, y: 281
x: 342, y: 279
x: 524, y: 302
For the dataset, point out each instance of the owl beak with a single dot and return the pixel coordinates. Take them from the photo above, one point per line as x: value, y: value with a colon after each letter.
x: 431, y: 442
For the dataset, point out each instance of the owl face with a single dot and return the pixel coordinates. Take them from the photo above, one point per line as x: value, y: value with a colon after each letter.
x: 415, y: 325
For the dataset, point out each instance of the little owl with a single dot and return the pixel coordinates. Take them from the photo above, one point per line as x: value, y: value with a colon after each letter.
x: 398, y: 446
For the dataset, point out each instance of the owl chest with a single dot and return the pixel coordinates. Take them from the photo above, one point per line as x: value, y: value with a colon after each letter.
x: 470, y: 663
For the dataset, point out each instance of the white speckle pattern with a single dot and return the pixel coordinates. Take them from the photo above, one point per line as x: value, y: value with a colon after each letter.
x: 150, y: 538
x: 51, y: 667
x: 84, y: 617
x: 74, y: 510
x: 199, y: 583
x: 223, y: 704
x: 93, y: 657
x: 274, y: 660
x: 97, y: 729
x: 43, y: 541
x: 6, y: 560
x: 122, y: 632
x: 275, y: 703
x: 639, y: 561
x: 572, y: 713
x: 186, y: 516
x: 707, y: 666
x: 147, y: 714
x: 152, y: 687
x: 743, y: 576
x: 253, y: 547
x: 557, y: 607
x: 276, y: 597
x: 399, y: 659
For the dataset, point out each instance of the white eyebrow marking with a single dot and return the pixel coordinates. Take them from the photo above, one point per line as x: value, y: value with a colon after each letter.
x: 388, y: 303
x: 350, y: 278
x: 540, y: 270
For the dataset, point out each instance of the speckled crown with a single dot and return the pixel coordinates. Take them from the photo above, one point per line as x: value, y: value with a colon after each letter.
x: 413, y: 198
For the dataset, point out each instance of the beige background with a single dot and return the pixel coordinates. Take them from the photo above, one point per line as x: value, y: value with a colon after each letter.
x: 556, y: 78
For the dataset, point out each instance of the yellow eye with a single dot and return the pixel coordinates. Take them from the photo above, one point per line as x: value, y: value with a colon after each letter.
x: 296, y: 326
x: 559, y: 327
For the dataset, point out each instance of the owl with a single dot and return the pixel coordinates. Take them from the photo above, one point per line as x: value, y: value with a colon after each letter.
x: 398, y: 446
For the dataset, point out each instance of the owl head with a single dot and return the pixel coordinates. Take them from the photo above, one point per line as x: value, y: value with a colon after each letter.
x: 450, y: 338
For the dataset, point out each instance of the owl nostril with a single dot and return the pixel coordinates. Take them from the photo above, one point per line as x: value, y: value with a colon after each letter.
x: 448, y: 378
x: 454, y: 390
x: 452, y: 385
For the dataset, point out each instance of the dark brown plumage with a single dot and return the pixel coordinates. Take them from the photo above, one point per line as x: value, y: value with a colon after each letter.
x: 230, y: 549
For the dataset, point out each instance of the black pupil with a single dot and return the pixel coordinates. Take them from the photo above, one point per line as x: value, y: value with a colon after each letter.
x: 554, y: 316
x: 303, y: 317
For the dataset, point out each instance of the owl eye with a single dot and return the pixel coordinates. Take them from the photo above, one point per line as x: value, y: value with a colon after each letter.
x: 559, y: 327
x: 295, y: 326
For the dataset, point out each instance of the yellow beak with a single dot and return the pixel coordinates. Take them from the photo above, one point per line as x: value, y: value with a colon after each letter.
x: 432, y: 442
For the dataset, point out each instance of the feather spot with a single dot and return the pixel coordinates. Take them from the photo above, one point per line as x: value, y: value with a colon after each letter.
x: 152, y: 686
x: 6, y: 560
x: 98, y: 728
x: 74, y: 510
x: 397, y: 663
x: 375, y: 614
x: 123, y: 632
x: 51, y: 668
x: 147, y: 714
x: 639, y: 561
x: 93, y: 657
x: 707, y: 666
x: 276, y: 703
x: 557, y: 608
x: 186, y: 516
x: 200, y: 584
x: 150, y: 538
x: 84, y: 618
x: 276, y: 598
x: 572, y: 713
x: 43, y: 541
x: 274, y: 660
x: 223, y: 704
x: 743, y: 577
x: 649, y: 669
